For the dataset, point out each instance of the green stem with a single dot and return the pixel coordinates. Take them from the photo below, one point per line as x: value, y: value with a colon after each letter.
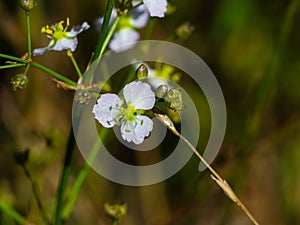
x: 28, y: 34
x: 13, y: 58
x: 5, y: 209
x: 70, y: 54
x: 109, y: 35
x: 54, y: 74
x: 11, y: 66
x: 36, y: 195
x: 103, y: 32
x: 268, y: 81
x: 64, y: 178
x: 150, y: 28
x: 40, y: 67
x: 81, y: 177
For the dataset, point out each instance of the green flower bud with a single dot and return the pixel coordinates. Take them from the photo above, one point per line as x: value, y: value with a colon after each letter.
x: 115, y: 212
x: 175, y: 98
x: 141, y: 72
x: 184, y: 31
x: 19, y: 82
x: 161, y: 91
x: 27, y: 5
x: 122, y: 5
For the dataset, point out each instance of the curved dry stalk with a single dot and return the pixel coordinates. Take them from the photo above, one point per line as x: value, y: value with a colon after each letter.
x: 215, y: 176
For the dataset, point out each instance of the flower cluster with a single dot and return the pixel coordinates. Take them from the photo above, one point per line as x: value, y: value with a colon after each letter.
x: 126, y: 35
x: 127, y: 112
x: 60, y: 38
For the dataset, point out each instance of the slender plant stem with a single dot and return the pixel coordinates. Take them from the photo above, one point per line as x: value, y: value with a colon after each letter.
x: 28, y: 34
x: 82, y: 175
x: 13, y: 58
x: 64, y: 178
x: 150, y: 28
x: 12, y: 66
x: 109, y: 35
x: 70, y: 54
x: 103, y: 32
x: 5, y: 209
x: 54, y: 74
x: 36, y: 195
x: 215, y: 176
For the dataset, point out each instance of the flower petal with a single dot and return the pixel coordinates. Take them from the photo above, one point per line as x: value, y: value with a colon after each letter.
x: 65, y: 44
x: 139, y: 16
x: 99, y: 20
x: 139, y: 94
x: 40, y: 51
x: 124, y: 39
x: 137, y: 130
x: 78, y: 29
x: 156, y: 8
x: 106, y: 109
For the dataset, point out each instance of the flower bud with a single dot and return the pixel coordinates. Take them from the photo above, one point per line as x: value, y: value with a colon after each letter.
x: 184, y: 31
x: 22, y: 157
x: 175, y: 98
x: 141, y: 72
x: 27, y: 5
x: 115, y: 212
x: 161, y: 91
x: 19, y: 82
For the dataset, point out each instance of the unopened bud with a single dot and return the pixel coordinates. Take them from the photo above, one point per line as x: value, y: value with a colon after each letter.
x: 115, y: 211
x: 161, y: 91
x: 141, y: 72
x: 184, y: 31
x: 175, y: 98
x: 22, y: 157
x: 19, y: 82
x: 27, y: 5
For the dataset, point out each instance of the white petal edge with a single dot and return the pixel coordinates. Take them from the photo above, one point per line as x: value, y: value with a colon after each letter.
x: 139, y: 94
x: 124, y: 39
x: 139, y: 16
x: 106, y: 109
x: 137, y: 130
x: 156, y: 8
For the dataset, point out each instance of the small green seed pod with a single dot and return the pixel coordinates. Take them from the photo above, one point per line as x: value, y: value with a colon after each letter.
x: 175, y: 97
x: 19, y: 82
x: 161, y: 91
x: 27, y: 5
x: 141, y: 72
x: 115, y: 211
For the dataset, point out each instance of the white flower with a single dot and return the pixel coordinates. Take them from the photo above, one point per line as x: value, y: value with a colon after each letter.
x: 110, y: 110
x: 156, y: 8
x: 61, y: 39
x: 124, y: 39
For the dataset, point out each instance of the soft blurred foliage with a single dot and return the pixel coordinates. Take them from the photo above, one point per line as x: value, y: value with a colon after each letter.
x: 253, y: 49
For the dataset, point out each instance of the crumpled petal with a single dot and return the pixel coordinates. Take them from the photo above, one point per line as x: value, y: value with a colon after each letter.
x: 156, y: 8
x: 137, y: 130
x: 140, y: 95
x: 139, y: 16
x: 40, y: 51
x: 106, y: 109
x: 124, y: 39
x: 78, y: 29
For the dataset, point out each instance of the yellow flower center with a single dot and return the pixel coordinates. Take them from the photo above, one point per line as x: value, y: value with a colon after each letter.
x: 56, y: 31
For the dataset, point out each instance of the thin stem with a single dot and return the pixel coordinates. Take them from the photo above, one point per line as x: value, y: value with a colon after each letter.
x: 36, y: 195
x: 215, y: 176
x: 28, y: 34
x: 103, y: 32
x: 64, y: 178
x: 54, y: 74
x: 150, y: 28
x: 70, y: 54
x: 13, y: 58
x: 5, y: 209
x: 12, y: 66
x: 109, y: 35
x: 81, y: 177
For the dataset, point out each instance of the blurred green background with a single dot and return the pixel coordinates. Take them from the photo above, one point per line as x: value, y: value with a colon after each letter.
x: 253, y: 49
